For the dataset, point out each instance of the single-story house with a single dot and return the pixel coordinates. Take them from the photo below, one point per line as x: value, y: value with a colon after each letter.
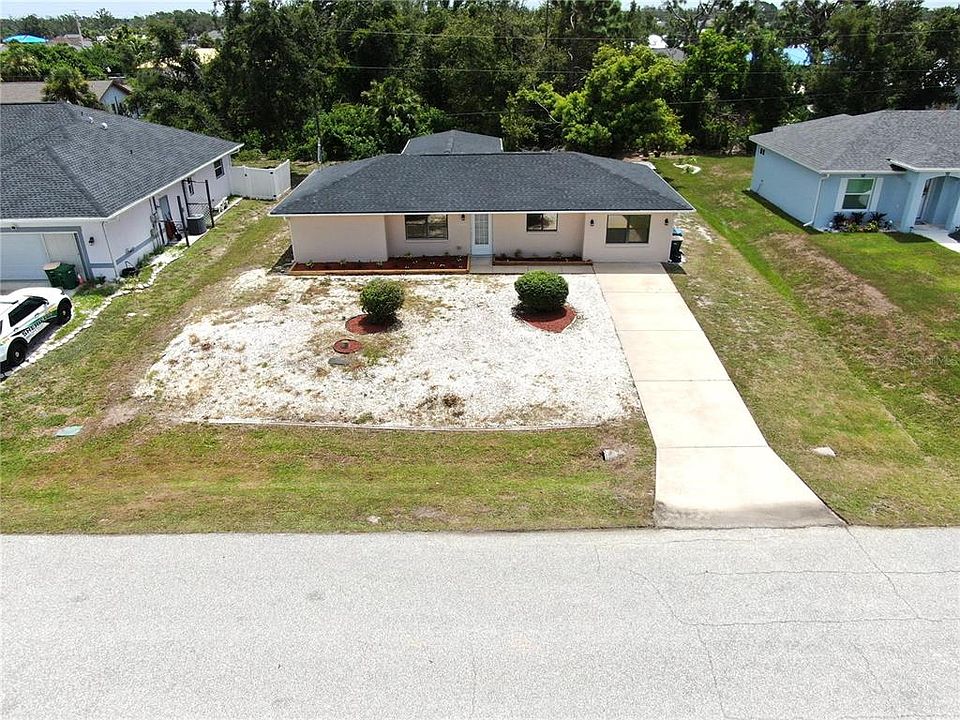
x: 111, y: 93
x: 97, y: 190
x: 459, y: 193
x: 903, y: 163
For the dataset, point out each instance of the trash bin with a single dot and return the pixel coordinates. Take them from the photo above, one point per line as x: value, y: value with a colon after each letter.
x: 52, y: 271
x: 68, y: 276
x: 675, y: 254
x: 196, y: 224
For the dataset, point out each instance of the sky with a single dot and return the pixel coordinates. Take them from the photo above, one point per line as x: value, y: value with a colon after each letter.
x: 129, y: 8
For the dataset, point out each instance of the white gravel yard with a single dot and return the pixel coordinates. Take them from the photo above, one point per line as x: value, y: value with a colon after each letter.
x: 458, y: 359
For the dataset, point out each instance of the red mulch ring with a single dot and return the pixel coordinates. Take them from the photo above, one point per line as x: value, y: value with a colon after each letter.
x: 557, y: 321
x: 361, y: 325
x: 345, y: 346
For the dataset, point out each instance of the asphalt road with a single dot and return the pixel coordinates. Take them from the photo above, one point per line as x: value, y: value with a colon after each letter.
x: 819, y: 623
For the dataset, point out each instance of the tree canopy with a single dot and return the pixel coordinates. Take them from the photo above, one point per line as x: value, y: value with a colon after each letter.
x: 362, y: 77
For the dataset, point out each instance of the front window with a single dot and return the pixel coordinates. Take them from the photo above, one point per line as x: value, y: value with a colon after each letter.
x: 218, y: 168
x: 541, y: 222
x: 628, y: 229
x: 426, y: 227
x: 856, y: 195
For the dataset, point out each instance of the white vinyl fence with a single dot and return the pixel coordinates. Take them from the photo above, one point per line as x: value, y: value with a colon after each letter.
x: 260, y: 183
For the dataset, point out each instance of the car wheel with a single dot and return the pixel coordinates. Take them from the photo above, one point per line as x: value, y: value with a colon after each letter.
x: 16, y: 353
x: 64, y: 312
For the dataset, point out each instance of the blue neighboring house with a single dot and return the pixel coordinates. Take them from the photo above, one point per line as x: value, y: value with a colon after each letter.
x: 904, y: 163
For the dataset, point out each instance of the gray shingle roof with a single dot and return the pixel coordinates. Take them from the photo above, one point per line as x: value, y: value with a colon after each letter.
x: 489, y: 182
x: 32, y: 92
x: 54, y: 162
x: 918, y: 138
x: 453, y: 142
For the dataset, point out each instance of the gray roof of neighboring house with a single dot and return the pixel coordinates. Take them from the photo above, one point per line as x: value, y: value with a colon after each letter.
x: 32, y: 92
x: 673, y: 53
x: 484, y: 182
x: 55, y: 162
x: 453, y: 142
x: 852, y: 143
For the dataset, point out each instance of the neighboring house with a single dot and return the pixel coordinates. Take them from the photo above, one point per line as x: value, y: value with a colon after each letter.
x: 904, y: 163
x: 111, y: 93
x: 74, y: 40
x: 459, y: 193
x: 98, y: 190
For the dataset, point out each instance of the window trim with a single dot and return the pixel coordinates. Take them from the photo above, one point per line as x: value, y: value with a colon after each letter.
x: 556, y: 222
x: 427, y: 238
x: 874, y: 195
x: 628, y: 243
x: 218, y: 169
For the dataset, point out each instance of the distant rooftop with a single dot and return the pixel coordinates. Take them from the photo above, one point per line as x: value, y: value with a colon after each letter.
x: 453, y: 142
x: 877, y: 141
x: 32, y: 92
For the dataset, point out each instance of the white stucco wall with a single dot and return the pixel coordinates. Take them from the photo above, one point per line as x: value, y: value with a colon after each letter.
x: 457, y: 242
x: 219, y: 186
x: 112, y: 97
x: 595, y: 245
x: 510, y: 234
x: 333, y: 238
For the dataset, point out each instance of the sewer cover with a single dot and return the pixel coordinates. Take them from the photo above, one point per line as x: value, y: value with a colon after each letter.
x: 345, y: 346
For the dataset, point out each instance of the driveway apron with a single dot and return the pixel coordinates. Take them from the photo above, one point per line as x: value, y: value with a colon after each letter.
x: 714, y: 467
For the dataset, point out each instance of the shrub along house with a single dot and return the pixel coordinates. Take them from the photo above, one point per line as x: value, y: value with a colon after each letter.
x: 97, y: 190
x: 458, y: 193
x: 902, y: 163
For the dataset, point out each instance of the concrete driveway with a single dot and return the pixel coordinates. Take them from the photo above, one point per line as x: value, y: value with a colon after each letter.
x: 714, y: 467
x: 815, y: 623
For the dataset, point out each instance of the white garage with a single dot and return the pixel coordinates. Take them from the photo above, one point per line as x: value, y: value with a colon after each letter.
x: 23, y: 255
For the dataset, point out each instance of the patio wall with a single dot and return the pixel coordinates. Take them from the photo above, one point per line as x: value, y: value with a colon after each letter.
x: 510, y: 234
x: 457, y: 242
x: 338, y: 237
x: 657, y: 250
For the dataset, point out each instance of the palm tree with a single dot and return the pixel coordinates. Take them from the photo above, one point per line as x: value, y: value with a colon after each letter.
x: 68, y: 84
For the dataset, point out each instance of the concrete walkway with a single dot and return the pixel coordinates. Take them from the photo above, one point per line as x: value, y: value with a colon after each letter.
x: 939, y: 235
x: 661, y: 624
x: 714, y: 467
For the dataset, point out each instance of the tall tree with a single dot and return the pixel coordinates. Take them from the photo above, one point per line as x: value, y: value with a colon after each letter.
x: 67, y: 84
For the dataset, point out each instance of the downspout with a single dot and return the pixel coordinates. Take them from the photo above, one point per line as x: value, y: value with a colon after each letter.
x: 816, y: 204
x: 103, y: 227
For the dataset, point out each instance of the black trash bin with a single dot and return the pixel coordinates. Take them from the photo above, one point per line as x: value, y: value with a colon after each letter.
x: 675, y: 254
x: 196, y: 224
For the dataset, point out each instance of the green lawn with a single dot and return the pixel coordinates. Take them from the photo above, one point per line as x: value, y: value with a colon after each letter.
x: 846, y: 340
x: 132, y: 470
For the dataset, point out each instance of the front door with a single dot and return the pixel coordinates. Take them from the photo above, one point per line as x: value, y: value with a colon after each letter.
x: 481, y: 244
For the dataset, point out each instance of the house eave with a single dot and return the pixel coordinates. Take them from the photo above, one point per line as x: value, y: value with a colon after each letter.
x: 484, y: 212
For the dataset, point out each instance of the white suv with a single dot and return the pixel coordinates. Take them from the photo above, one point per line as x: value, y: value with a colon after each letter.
x: 24, y: 314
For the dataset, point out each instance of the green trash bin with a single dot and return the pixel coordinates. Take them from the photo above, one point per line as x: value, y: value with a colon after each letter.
x: 68, y: 276
x: 61, y: 275
x: 52, y: 271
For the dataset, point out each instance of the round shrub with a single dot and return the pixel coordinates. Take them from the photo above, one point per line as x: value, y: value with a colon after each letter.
x: 381, y: 299
x: 541, y: 291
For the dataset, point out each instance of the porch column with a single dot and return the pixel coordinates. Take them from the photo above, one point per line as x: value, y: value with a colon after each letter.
x: 912, y: 205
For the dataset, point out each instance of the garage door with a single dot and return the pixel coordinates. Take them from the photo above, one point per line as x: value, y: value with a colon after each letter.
x: 23, y: 255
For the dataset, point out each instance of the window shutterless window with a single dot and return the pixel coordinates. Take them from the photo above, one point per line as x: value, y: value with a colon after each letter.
x: 856, y: 195
x: 541, y: 222
x: 425, y: 227
x: 218, y: 168
x: 628, y: 229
